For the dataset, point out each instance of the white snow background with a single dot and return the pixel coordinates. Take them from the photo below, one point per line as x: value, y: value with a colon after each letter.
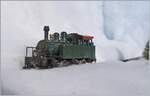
x: 120, y: 30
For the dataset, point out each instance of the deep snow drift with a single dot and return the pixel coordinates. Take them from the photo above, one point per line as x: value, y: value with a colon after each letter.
x: 126, y: 26
x: 100, y: 79
x: 120, y: 30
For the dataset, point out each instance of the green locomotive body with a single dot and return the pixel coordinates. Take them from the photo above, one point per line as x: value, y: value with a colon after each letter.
x: 78, y: 52
x: 61, y: 50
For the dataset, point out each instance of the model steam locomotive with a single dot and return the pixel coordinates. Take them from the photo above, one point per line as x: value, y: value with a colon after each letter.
x: 60, y: 50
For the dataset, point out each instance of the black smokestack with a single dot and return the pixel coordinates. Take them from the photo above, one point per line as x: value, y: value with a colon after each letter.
x: 46, y: 29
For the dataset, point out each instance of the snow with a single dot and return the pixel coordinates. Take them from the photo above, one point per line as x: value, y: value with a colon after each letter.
x: 120, y: 30
x: 99, y: 79
x: 125, y: 25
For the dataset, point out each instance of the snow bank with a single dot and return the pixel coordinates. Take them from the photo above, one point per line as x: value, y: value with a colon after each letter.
x: 103, y: 79
x: 126, y: 26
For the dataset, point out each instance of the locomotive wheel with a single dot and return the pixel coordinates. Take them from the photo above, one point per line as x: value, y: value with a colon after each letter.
x: 64, y: 63
x: 89, y: 60
x: 52, y: 63
x: 42, y: 62
x: 83, y: 61
x: 75, y: 61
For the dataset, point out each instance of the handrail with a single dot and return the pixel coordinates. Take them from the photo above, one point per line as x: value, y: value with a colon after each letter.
x: 27, y: 50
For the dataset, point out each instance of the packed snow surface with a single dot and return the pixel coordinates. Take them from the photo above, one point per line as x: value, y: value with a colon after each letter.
x: 97, y: 79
